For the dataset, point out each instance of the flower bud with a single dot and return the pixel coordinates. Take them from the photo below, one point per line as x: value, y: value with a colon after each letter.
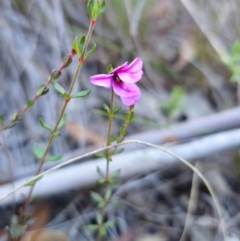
x: 67, y: 60
x: 55, y: 74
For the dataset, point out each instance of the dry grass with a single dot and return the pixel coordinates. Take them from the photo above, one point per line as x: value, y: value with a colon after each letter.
x: 181, y: 43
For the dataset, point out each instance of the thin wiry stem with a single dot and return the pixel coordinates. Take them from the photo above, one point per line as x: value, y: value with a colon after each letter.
x: 108, y: 159
x: 51, y: 137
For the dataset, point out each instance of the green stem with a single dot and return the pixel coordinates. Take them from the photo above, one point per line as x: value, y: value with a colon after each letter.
x: 51, y: 137
x: 107, y: 155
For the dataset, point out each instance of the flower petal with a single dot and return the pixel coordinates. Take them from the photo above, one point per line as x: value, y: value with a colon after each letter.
x: 125, y: 90
x: 134, y: 67
x: 104, y: 80
x: 131, y: 100
x: 130, y: 78
x: 119, y: 68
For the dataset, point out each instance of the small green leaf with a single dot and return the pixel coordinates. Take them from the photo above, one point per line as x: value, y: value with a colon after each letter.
x: 109, y: 223
x: 95, y: 9
x: 112, y: 181
x: 109, y: 68
x: 62, y: 121
x: 96, y: 197
x: 122, y: 130
x: 38, y: 151
x: 115, y: 173
x: 82, y: 93
x: 90, y: 51
x: 75, y: 45
x: 108, y: 193
x: 81, y: 43
x: 101, y: 204
x: 99, y: 154
x: 102, y: 232
x: 44, y: 125
x: 30, y: 103
x: 32, y: 183
x: 99, y: 218
x: 117, y: 108
x: 235, y: 48
x: 101, y: 181
x: 131, y: 115
x: 112, y: 139
x: 102, y: 7
x: 55, y: 74
x: 66, y: 96
x: 106, y: 108
x: 42, y: 90
x: 58, y: 88
x: 92, y: 227
x: 118, y: 151
x: 99, y: 171
x: 89, y: 7
x: 67, y: 60
x: 56, y: 134
x: 54, y: 158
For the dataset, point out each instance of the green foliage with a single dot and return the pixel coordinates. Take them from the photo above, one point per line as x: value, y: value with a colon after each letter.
x: 102, y: 7
x: 112, y: 139
x: 98, y: 218
x: 44, y: 125
x: 29, y: 103
x: 115, y: 173
x: 175, y: 100
x: 90, y: 51
x: 78, y: 44
x: 38, y: 151
x: 42, y: 90
x: 122, y: 130
x: 106, y: 108
x: 95, y: 8
x: 67, y: 60
x: 100, y: 172
x: 55, y: 74
x: 99, y: 154
x: 129, y: 116
x: 116, y: 109
x: 58, y: 88
x: 109, y: 224
x: 80, y: 94
x: 109, y: 68
x: 108, y: 193
x: 102, y: 232
x: 233, y: 61
x: 56, y: 134
x: 54, y: 158
x: 96, y: 197
x: 118, y: 151
x: 92, y: 227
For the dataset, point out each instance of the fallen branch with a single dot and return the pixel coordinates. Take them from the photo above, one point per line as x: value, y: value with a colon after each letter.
x: 222, y: 121
x: 130, y: 163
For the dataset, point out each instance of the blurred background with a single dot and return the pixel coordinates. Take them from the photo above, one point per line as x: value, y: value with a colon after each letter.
x: 190, y: 51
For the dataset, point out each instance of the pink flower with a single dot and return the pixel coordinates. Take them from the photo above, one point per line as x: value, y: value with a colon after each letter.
x: 122, y: 79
